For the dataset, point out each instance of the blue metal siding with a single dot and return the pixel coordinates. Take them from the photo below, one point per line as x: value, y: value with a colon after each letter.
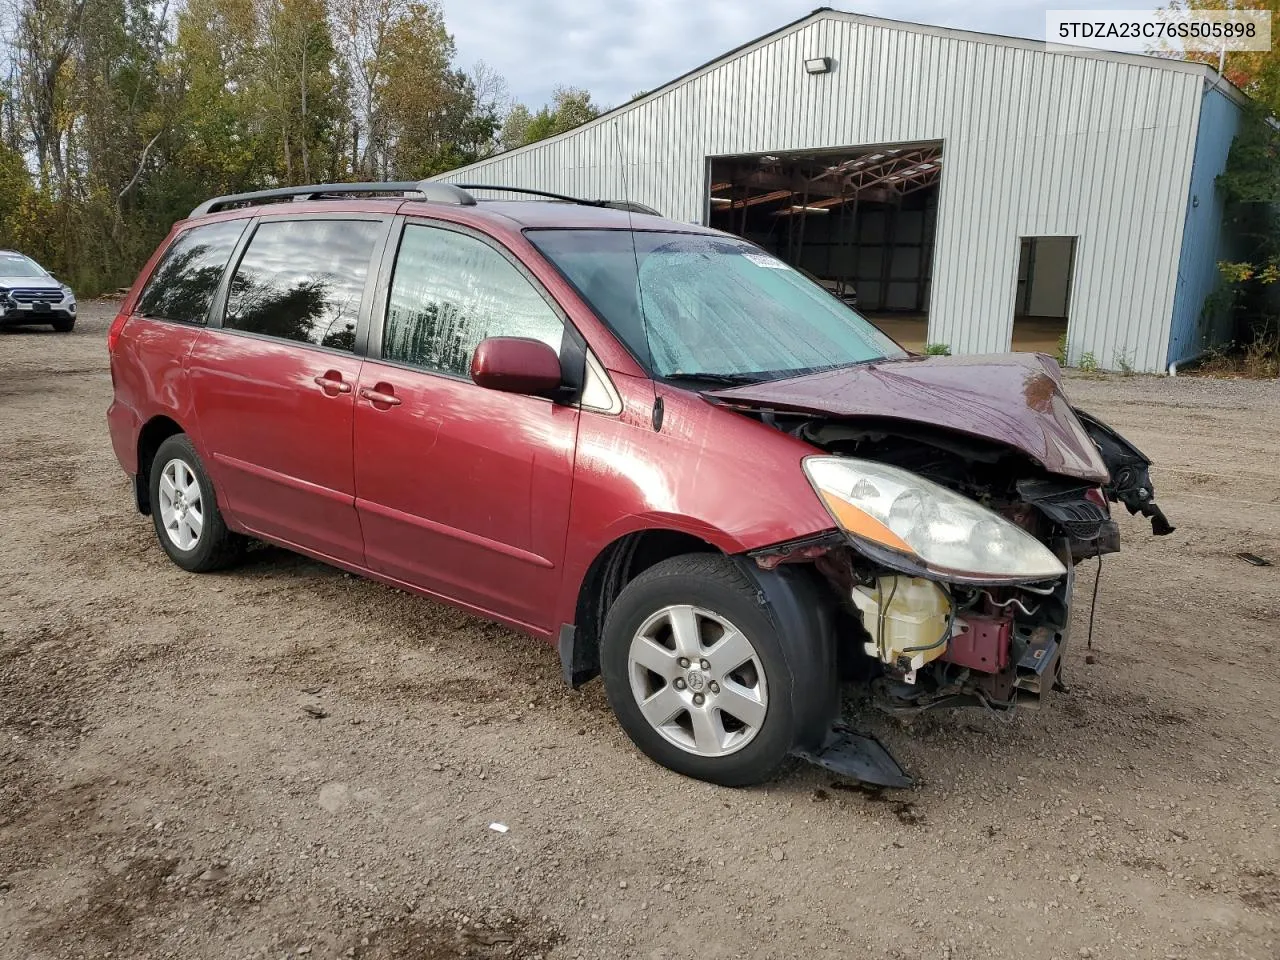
x: 1204, y: 238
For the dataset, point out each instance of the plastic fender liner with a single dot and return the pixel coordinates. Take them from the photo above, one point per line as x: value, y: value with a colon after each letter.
x: 576, y: 665
x: 800, y: 607
x: 1130, y: 473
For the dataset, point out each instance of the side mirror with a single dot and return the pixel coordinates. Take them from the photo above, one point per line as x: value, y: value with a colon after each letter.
x: 516, y: 365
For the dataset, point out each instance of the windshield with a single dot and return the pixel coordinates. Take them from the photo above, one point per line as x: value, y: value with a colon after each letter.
x: 16, y: 265
x: 713, y: 306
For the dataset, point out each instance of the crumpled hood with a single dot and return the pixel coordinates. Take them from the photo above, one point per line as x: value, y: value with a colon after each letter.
x: 1015, y: 399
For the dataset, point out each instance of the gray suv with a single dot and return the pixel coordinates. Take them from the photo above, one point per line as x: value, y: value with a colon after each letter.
x: 29, y: 294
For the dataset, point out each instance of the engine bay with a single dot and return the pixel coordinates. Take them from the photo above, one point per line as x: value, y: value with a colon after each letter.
x: 922, y: 641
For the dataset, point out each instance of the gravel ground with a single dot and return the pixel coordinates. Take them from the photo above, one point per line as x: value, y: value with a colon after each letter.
x: 164, y: 791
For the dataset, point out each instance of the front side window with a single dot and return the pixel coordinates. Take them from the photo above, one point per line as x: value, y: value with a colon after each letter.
x: 449, y: 292
x: 187, y: 277
x: 303, y: 280
x: 694, y: 305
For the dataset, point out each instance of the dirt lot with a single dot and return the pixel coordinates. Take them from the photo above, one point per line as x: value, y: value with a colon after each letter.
x: 164, y: 793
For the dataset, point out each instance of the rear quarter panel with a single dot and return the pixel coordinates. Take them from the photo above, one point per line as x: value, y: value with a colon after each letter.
x: 708, y: 472
x: 147, y: 369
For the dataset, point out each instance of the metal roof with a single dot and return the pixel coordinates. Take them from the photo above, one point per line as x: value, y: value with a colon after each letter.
x: 1210, y: 75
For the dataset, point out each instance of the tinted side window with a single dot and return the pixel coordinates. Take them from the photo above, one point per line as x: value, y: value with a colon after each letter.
x: 303, y: 280
x: 449, y: 292
x: 187, y: 276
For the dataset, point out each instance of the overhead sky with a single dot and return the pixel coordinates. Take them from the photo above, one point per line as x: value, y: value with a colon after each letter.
x: 618, y: 48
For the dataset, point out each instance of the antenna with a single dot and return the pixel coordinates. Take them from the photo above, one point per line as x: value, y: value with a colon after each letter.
x: 635, y: 255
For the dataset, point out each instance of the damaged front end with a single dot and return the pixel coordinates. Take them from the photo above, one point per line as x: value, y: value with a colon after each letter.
x: 955, y: 555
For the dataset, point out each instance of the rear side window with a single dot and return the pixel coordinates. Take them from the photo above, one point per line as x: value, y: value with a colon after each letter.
x: 303, y: 280
x: 449, y: 292
x: 187, y: 277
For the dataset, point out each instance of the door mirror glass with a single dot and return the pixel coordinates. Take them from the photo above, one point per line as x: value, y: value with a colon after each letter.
x: 516, y: 365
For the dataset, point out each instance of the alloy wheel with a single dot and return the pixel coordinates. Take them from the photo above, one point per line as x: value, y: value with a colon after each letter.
x: 698, y: 680
x: 181, y: 504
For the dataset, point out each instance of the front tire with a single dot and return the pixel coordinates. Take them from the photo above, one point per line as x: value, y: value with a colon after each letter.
x: 64, y: 326
x: 697, y: 674
x: 185, y: 511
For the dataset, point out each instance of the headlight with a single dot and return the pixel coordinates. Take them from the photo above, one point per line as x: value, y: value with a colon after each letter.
x: 931, y: 525
x: 66, y: 291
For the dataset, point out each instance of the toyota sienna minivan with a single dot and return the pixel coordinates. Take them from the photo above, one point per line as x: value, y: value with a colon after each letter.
x: 697, y: 473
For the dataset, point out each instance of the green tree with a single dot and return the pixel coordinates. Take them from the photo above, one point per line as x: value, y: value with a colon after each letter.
x: 570, y: 107
x: 301, y: 88
x: 16, y: 196
x: 219, y: 130
x: 118, y: 116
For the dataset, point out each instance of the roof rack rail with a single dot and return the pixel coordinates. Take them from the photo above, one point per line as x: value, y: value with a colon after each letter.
x: 612, y: 204
x: 432, y: 191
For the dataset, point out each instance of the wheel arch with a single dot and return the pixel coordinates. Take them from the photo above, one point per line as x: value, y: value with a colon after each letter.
x: 153, y: 433
x: 620, y: 562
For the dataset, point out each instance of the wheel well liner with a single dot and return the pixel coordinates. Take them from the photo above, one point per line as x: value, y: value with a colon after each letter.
x: 153, y: 433
x: 616, y: 565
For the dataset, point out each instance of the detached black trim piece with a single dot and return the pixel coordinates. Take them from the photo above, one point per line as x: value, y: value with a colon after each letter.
x: 859, y: 757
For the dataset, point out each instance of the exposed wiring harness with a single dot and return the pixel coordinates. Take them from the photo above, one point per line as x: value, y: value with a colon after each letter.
x: 1093, y: 606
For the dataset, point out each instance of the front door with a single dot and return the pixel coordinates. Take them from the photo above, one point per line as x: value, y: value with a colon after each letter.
x: 274, y: 385
x: 460, y: 490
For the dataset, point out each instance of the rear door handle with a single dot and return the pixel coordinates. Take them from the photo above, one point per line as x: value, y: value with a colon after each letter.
x: 331, y: 382
x: 380, y: 394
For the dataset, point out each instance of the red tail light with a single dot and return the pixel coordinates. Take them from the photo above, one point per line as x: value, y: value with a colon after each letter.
x: 113, y: 333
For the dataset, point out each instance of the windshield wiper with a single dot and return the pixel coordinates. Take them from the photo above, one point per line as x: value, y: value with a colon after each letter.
x: 722, y: 379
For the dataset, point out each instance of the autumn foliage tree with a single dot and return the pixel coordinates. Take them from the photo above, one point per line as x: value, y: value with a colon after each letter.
x: 119, y: 116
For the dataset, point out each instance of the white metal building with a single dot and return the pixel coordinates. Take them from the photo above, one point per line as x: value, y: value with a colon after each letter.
x: 958, y: 176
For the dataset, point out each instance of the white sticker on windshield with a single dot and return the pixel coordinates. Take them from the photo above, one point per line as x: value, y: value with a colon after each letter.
x: 764, y: 260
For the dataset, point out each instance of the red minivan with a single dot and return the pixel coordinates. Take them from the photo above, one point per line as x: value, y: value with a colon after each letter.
x: 698, y: 473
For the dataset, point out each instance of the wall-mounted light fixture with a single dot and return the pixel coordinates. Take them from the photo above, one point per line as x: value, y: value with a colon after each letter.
x: 817, y: 65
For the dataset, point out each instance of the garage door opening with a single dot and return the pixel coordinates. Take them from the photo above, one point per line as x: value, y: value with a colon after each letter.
x: 1042, y: 306
x: 861, y: 221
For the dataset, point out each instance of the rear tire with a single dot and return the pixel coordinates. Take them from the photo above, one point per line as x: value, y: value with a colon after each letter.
x: 64, y: 326
x: 184, y: 509
x: 728, y: 717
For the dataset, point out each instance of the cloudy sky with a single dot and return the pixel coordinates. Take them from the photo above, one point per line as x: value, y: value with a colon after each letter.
x: 616, y: 48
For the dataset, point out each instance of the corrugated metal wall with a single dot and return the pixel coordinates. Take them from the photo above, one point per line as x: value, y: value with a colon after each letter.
x: 1035, y: 144
x: 1204, y: 242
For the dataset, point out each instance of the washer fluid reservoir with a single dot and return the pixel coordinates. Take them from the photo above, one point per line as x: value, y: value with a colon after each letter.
x: 906, y: 618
